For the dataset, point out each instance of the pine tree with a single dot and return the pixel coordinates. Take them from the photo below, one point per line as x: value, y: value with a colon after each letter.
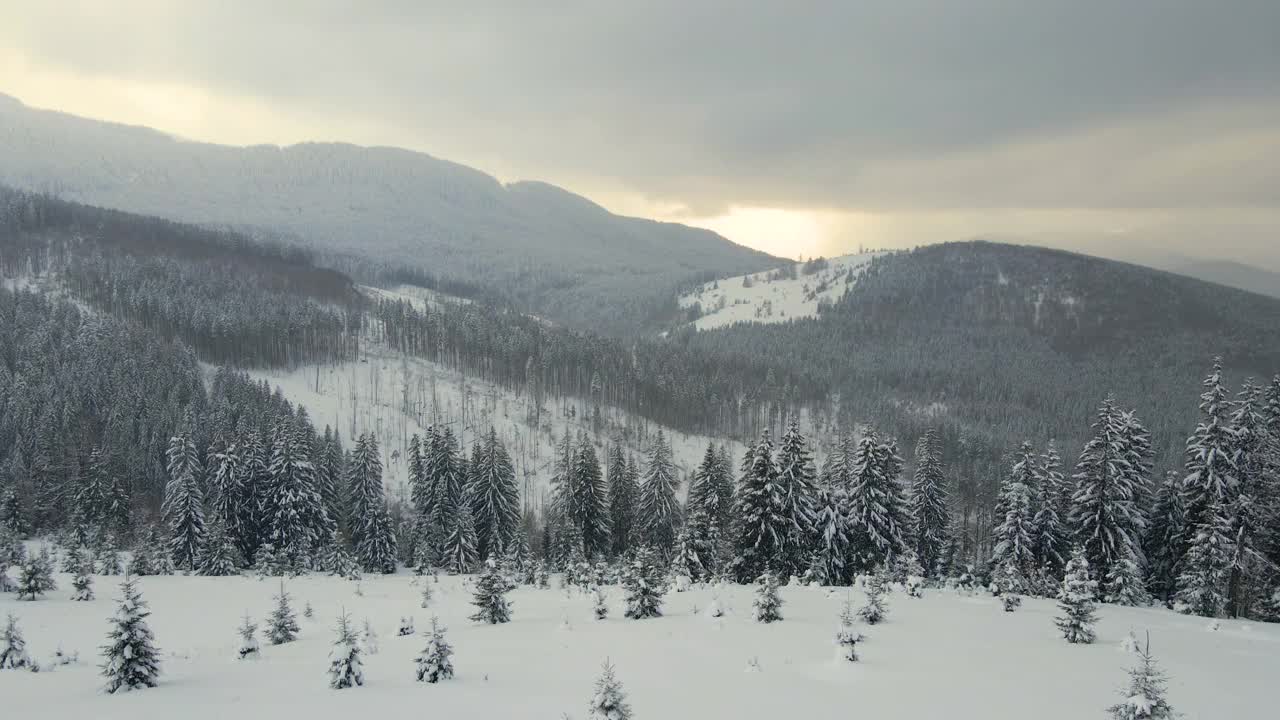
x: 1014, y: 549
x: 1211, y: 468
x: 450, y: 521
x: 659, y: 511
x: 371, y: 529
x: 876, y: 510
x: 282, y: 624
x: 796, y: 481
x: 874, y: 611
x: 495, y: 499
x: 624, y: 490
x: 762, y: 525
x: 609, y: 701
x: 645, y: 585
x: 927, y: 506
x: 1166, y: 539
x: 1203, y: 583
x: 768, y: 604
x: 1251, y: 510
x: 591, y: 508
x: 847, y: 638
x: 1144, y: 699
x: 435, y: 662
x: 330, y: 478
x: 460, y: 554
x: 1051, y: 545
x: 184, y: 502
x: 600, y: 603
x: 35, y: 577
x: 1124, y: 585
x: 226, y: 480
x: 131, y: 660
x: 345, y: 666
x: 295, y: 504
x: 1105, y: 515
x: 490, y: 597
x: 13, y: 647
x: 685, y: 561
x: 1076, y: 601
x: 83, y: 585
x: 218, y: 556
x: 249, y: 647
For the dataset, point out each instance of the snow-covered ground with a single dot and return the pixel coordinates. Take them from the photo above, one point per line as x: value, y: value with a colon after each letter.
x: 945, y: 656
x: 757, y: 298
x: 396, y: 396
x: 419, y: 297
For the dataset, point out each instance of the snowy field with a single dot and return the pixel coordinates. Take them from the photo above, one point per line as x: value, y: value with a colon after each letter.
x: 730, y: 301
x: 943, y: 656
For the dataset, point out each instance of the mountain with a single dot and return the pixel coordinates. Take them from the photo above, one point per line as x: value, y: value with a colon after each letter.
x: 1232, y: 274
x: 382, y: 212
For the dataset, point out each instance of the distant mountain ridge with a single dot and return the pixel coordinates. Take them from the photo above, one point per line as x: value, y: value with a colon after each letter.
x: 546, y: 249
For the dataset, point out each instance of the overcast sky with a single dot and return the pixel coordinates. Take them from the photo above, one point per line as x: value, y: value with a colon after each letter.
x: 798, y: 127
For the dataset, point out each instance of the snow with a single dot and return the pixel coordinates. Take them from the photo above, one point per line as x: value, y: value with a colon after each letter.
x: 727, y: 301
x: 942, y: 656
x: 419, y: 297
x: 395, y: 396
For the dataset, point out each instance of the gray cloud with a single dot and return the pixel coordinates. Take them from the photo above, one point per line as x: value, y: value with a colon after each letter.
x: 841, y: 105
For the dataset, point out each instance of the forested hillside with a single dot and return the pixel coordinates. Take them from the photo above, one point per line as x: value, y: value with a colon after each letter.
x: 383, y: 213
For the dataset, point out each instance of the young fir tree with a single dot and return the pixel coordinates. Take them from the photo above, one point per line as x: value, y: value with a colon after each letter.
x: 1124, y: 585
x: 1144, y: 698
x: 767, y: 604
x: 1076, y: 601
x: 847, y: 636
x: 426, y: 595
x: 874, y: 611
x: 13, y: 647
x: 83, y: 585
x: 600, y: 603
x: 111, y: 563
x: 345, y: 666
x: 1014, y: 547
x: 623, y: 492
x: 645, y: 585
x: 131, y: 660
x: 184, y: 502
x: 609, y: 701
x: 659, y: 511
x: 218, y: 557
x: 927, y: 505
x: 685, y: 561
x: 490, y: 597
x: 495, y: 499
x: 435, y: 662
x: 282, y: 624
x: 249, y: 648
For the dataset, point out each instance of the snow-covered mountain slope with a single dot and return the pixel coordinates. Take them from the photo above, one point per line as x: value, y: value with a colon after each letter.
x: 396, y: 396
x: 555, y: 253
x: 945, y: 656
x: 775, y: 296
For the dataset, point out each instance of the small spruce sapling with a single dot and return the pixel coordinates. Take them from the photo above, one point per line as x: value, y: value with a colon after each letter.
x: 874, y: 611
x: 248, y: 639
x: 1144, y: 698
x: 645, y: 585
x: 846, y: 636
x: 490, y: 596
x: 13, y: 647
x: 609, y: 701
x: 345, y: 666
x: 426, y: 595
x: 600, y: 606
x: 406, y: 627
x: 768, y: 604
x: 83, y: 585
x: 435, y: 662
x: 369, y: 638
x: 282, y: 624
x: 131, y: 660
x: 307, y: 611
x: 1076, y: 601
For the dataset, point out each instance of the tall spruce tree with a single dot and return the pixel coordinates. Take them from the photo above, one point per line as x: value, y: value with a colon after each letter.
x: 876, y: 509
x: 1203, y: 584
x: 1105, y: 516
x: 659, y: 510
x: 927, y: 507
x: 796, y: 481
x: 495, y: 499
x: 130, y: 658
x: 295, y: 503
x: 1251, y: 510
x: 624, y: 492
x: 762, y: 525
x: 371, y: 528
x: 1051, y: 535
x: 1013, y: 539
x: 1211, y: 468
x: 1166, y: 538
x: 184, y: 502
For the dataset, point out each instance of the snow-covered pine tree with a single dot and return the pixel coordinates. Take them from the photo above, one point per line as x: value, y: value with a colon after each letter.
x: 1076, y: 600
x: 711, y: 501
x: 131, y: 660
x: 1211, y: 467
x: 218, y: 557
x: 828, y: 565
x: 927, y: 502
x: 1050, y: 523
x: 761, y: 525
x: 406, y: 627
x: 847, y: 636
x: 13, y: 647
x: 874, y: 611
x: 1144, y: 698
x: 659, y: 510
x: 330, y: 478
x: 685, y: 561
x: 249, y: 647
x: 645, y: 585
x: 876, y: 509
x: 184, y: 502
x: 1124, y: 586
x: 1105, y: 516
x: 1206, y: 569
x: 282, y: 623
x: 767, y: 604
x: 490, y: 597
x: 1255, y: 502
x: 495, y: 499
x: 294, y: 502
x: 796, y: 480
x: 425, y: 595
x: 82, y: 584
x: 460, y: 547
x: 450, y: 522
x: 1012, y: 539
x: 623, y: 493
x: 609, y: 701
x: 371, y: 530
x: 226, y: 485
x: 435, y: 662
x: 111, y: 563
x: 346, y: 669
x: 35, y: 575
x: 1166, y: 537
x: 599, y: 603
